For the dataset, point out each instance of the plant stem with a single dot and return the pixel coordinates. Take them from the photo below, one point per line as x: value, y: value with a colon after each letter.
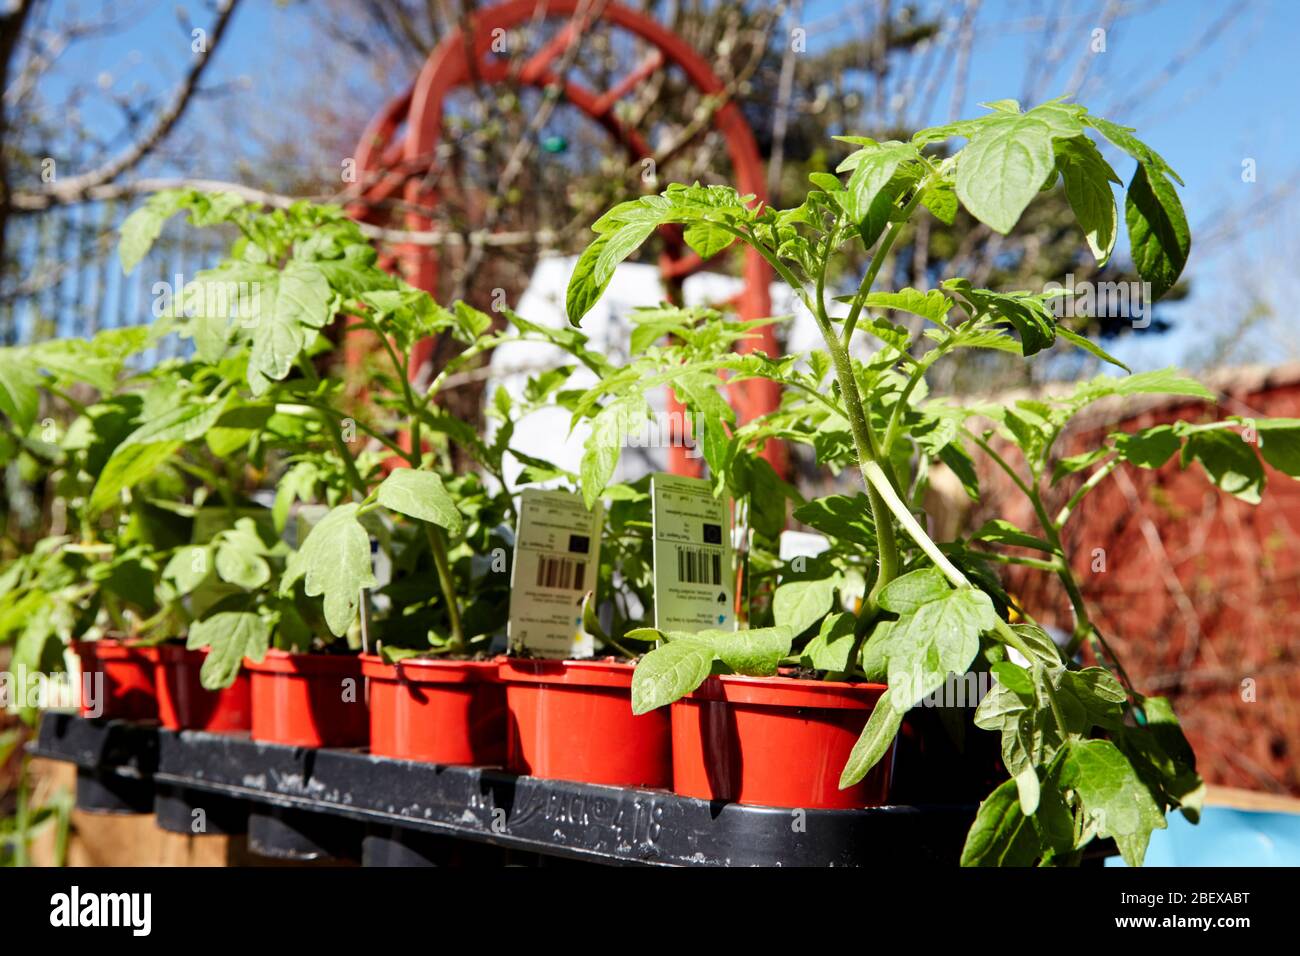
x: 438, y: 545
x: 918, y: 374
x: 1093, y: 481
x: 340, y: 446
x: 1042, y: 565
x: 364, y: 426
x: 863, y: 438
x: 1082, y: 622
x: 878, y: 260
x: 1051, y: 698
x: 880, y: 483
x: 403, y: 368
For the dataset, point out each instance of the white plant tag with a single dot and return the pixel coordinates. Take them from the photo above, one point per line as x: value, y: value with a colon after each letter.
x: 557, y: 556
x: 693, y: 574
x: 801, y: 544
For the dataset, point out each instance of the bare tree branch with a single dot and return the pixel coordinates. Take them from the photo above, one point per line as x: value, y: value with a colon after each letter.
x: 77, y: 188
x: 781, y: 116
x: 544, y: 238
x: 1151, y: 534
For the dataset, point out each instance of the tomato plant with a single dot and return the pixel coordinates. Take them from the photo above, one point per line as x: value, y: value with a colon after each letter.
x: 1088, y: 754
x: 98, y: 573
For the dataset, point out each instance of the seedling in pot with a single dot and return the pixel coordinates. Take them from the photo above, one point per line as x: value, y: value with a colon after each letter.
x: 1089, y: 755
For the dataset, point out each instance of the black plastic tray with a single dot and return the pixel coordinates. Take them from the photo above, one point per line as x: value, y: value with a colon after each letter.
x: 318, y: 797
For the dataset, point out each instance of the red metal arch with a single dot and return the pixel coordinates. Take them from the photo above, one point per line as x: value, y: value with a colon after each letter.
x: 392, y: 166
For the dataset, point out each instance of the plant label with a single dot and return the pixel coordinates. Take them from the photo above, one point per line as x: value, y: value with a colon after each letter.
x: 802, y: 544
x: 557, y: 553
x: 694, y: 583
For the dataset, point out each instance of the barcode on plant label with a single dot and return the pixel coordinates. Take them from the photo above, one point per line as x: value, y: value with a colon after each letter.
x: 562, y: 573
x: 699, y: 566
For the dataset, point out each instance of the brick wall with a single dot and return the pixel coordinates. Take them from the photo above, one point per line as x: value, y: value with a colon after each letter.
x: 1210, y: 613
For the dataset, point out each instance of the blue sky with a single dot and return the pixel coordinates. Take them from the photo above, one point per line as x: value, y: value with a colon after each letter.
x: 1231, y: 98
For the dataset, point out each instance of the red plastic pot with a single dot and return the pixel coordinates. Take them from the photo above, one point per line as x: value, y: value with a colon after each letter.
x: 117, y: 679
x: 185, y: 704
x: 309, y: 700
x: 438, y: 711
x: 774, y: 741
x: 572, y: 720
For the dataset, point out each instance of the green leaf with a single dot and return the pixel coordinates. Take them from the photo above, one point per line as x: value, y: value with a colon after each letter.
x: 294, y: 485
x: 230, y: 636
x: 839, y: 516
x: 669, y: 672
x: 755, y: 652
x: 1089, y: 346
x: 1040, y: 643
x: 875, y: 666
x: 986, y: 339
x: 699, y: 392
x: 707, y: 239
x: 236, y: 428
x: 1165, y: 381
x: 1001, y: 835
x: 185, y: 423
x: 1027, y: 789
x: 1036, y: 325
x: 907, y: 593
x: 141, y: 228
x: 188, y: 568
x: 1122, y: 136
x: 1003, y: 106
x: 831, y: 648
x: 941, y: 199
x: 877, y: 737
x: 609, y: 431
x: 1087, y: 188
x: 1098, y: 693
x: 826, y: 182
x: 19, y: 391
x: 1077, y: 463
x: 1229, y: 461
x: 1113, y: 799
x: 895, y: 336
x: 884, y: 208
x: 1163, y: 758
x: 335, y: 560
x: 1149, y: 448
x: 999, y: 531
x: 127, y: 468
x: 303, y: 296
x: 1279, y: 443
x: 799, y: 604
x: 939, y: 637
x: 595, y: 267
x: 239, y: 558
x: 1015, y: 679
x: 1002, y: 169
x: 421, y: 495
x: 932, y: 305
x: 301, y: 299
x: 873, y: 168
x: 962, y: 465
x: 471, y: 323
x: 98, y: 361
x: 1157, y: 230
x: 1028, y: 313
